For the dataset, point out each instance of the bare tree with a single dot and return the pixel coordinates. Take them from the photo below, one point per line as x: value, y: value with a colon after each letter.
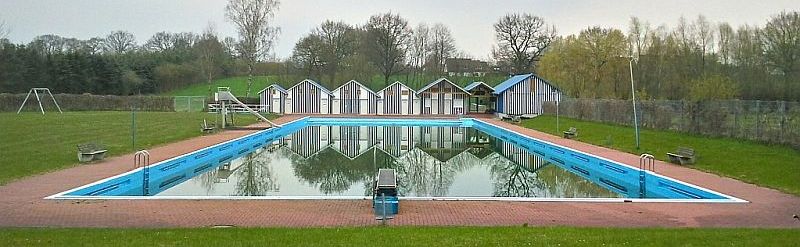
x: 781, y: 37
x: 704, y: 35
x: 308, y: 55
x: 119, y: 42
x: 4, y: 29
x: 521, y: 41
x: 161, y: 41
x: 725, y: 42
x: 253, y: 21
x: 418, y: 47
x: 209, y: 53
x: 638, y: 37
x: 338, y: 41
x: 387, y: 36
x: 442, y: 46
x: 48, y: 44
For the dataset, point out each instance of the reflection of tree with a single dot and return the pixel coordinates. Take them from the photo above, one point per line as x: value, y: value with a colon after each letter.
x: 255, y: 175
x: 420, y: 174
x: 332, y: 172
x: 512, y: 180
x: 208, y: 179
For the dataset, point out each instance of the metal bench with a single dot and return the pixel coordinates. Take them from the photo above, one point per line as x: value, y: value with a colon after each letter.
x: 571, y: 133
x: 90, y: 151
x: 682, y: 156
x: 206, y: 127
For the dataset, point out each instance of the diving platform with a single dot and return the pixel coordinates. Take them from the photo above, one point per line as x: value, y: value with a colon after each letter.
x: 224, y: 95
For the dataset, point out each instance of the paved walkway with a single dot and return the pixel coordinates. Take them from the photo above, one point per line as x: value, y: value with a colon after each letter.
x: 21, y: 203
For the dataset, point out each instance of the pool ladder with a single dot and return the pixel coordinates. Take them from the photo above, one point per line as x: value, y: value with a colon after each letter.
x: 646, y: 161
x: 142, y: 159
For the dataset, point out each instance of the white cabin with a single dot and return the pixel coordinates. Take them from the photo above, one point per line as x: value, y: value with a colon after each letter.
x: 354, y: 98
x: 308, y: 97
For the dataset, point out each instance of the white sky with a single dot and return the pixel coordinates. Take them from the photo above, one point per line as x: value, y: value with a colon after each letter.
x: 470, y: 21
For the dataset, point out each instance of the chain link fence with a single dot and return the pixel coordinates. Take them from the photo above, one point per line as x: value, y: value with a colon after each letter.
x: 189, y: 103
x: 776, y: 122
x: 87, y: 102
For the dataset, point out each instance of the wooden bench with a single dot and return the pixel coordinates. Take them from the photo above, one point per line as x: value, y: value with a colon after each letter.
x: 682, y: 156
x: 206, y: 127
x: 571, y: 133
x: 90, y: 152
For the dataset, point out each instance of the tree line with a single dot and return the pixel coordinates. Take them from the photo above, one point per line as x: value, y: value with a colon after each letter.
x: 695, y: 60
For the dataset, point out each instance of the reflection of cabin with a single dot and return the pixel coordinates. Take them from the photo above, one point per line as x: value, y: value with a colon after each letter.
x: 352, y: 141
x: 398, y: 140
x: 442, y: 97
x: 524, y: 95
x: 520, y: 156
x: 481, y: 97
x: 398, y: 99
x: 308, y: 97
x: 310, y: 140
x: 443, y: 143
x: 354, y: 98
x: 272, y: 99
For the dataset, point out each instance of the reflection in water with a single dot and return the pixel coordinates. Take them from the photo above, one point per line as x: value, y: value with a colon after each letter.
x: 256, y: 177
x: 430, y: 161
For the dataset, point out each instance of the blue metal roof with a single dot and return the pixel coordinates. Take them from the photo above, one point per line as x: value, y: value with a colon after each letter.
x: 476, y: 84
x: 516, y: 79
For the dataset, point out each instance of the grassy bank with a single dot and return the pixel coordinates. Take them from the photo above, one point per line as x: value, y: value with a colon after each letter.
x: 33, y: 143
x: 765, y: 165
x: 401, y: 236
x: 238, y: 86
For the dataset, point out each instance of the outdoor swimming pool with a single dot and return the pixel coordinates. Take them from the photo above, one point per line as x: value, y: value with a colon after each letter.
x: 337, y: 158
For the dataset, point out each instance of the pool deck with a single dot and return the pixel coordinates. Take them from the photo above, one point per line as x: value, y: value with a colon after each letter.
x: 22, y: 203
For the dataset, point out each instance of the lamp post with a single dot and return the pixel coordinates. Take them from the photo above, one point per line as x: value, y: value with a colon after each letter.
x: 633, y: 101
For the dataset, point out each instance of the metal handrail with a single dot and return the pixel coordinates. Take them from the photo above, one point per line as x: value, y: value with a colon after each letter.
x: 646, y: 161
x: 142, y: 159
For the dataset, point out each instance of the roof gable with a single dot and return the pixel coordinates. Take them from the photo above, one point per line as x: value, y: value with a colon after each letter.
x: 397, y: 82
x: 359, y: 84
x: 323, y: 89
x: 276, y: 86
x: 437, y: 82
x: 476, y: 84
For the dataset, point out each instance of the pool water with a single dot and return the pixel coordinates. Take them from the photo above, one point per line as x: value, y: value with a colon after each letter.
x: 439, y: 161
x: 338, y: 158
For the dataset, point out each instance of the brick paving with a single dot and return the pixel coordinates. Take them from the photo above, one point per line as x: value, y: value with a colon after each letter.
x: 21, y: 203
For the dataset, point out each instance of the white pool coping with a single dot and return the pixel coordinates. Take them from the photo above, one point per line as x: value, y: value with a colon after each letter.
x: 730, y: 199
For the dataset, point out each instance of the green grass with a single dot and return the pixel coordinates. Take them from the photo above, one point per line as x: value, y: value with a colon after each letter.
x: 402, y: 236
x: 238, y: 86
x: 32, y: 143
x: 771, y: 166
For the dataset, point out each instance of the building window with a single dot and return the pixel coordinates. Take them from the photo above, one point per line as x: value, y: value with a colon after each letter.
x: 405, y: 92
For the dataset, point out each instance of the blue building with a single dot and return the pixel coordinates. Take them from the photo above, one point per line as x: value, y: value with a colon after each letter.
x: 523, y: 95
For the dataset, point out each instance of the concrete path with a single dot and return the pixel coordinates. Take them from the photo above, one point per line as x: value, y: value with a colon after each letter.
x: 21, y: 203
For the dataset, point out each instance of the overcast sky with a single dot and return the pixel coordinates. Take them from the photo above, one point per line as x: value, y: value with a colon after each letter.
x: 470, y: 21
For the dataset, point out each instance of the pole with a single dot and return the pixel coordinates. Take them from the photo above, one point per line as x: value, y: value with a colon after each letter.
x: 633, y: 100
x: 133, y: 128
x: 558, y: 128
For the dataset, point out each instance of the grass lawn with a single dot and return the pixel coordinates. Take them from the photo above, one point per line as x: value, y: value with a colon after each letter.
x: 771, y: 166
x: 33, y: 143
x: 401, y: 236
x: 238, y: 86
